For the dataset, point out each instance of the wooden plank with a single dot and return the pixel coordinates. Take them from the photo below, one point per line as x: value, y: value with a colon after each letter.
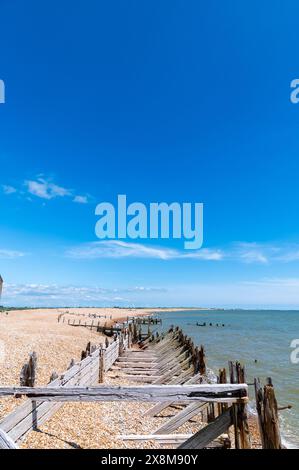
x: 138, y: 364
x: 146, y: 379
x: 172, y: 372
x: 5, y: 441
x: 180, y: 418
x: 137, y: 356
x: 203, y: 437
x: 124, y: 372
x: 161, y: 439
x: 202, y: 392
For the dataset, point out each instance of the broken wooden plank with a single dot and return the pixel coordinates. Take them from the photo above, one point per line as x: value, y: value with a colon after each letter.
x: 180, y: 418
x: 210, y: 432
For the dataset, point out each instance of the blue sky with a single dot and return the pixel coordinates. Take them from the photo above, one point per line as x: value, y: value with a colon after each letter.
x: 161, y: 101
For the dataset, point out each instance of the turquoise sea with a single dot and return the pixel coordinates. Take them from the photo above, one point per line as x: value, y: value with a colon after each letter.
x: 249, y: 335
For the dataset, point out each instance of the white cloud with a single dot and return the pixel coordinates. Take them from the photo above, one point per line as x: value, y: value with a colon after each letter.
x: 10, y: 254
x: 8, y: 189
x: 45, y: 189
x: 81, y: 199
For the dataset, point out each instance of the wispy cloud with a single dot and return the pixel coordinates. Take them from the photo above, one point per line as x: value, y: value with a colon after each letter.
x: 10, y: 254
x: 248, y: 253
x: 121, y: 249
x: 251, y: 252
x: 54, y: 294
x: 81, y: 199
x: 260, y: 293
x: 284, y: 252
x: 7, y: 189
x: 275, y: 282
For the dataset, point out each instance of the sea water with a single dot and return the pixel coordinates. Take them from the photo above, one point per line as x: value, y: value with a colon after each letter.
x: 260, y: 339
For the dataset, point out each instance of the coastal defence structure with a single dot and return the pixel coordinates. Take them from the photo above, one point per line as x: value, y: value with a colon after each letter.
x: 167, y: 370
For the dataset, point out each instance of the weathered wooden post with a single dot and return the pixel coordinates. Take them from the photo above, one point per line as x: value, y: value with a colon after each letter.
x: 201, y: 360
x: 27, y: 379
x: 222, y: 380
x: 121, y: 344
x: 233, y: 379
x: 267, y: 410
x: 28, y: 371
x: 71, y: 364
x: 101, y: 365
x: 86, y: 353
x: 242, y: 415
x: 239, y: 411
x: 135, y: 333
x: 53, y: 376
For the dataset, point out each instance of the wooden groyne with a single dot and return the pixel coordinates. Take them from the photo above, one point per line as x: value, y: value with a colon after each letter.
x: 92, y: 322
x: 167, y: 370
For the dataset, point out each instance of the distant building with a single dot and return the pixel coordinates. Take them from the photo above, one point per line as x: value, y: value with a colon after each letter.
x: 1, y: 285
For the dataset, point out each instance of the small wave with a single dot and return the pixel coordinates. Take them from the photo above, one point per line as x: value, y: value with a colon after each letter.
x: 211, y: 376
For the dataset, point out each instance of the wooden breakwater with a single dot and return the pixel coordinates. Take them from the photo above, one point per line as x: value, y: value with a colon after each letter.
x: 92, y: 322
x: 89, y: 371
x: 167, y: 370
